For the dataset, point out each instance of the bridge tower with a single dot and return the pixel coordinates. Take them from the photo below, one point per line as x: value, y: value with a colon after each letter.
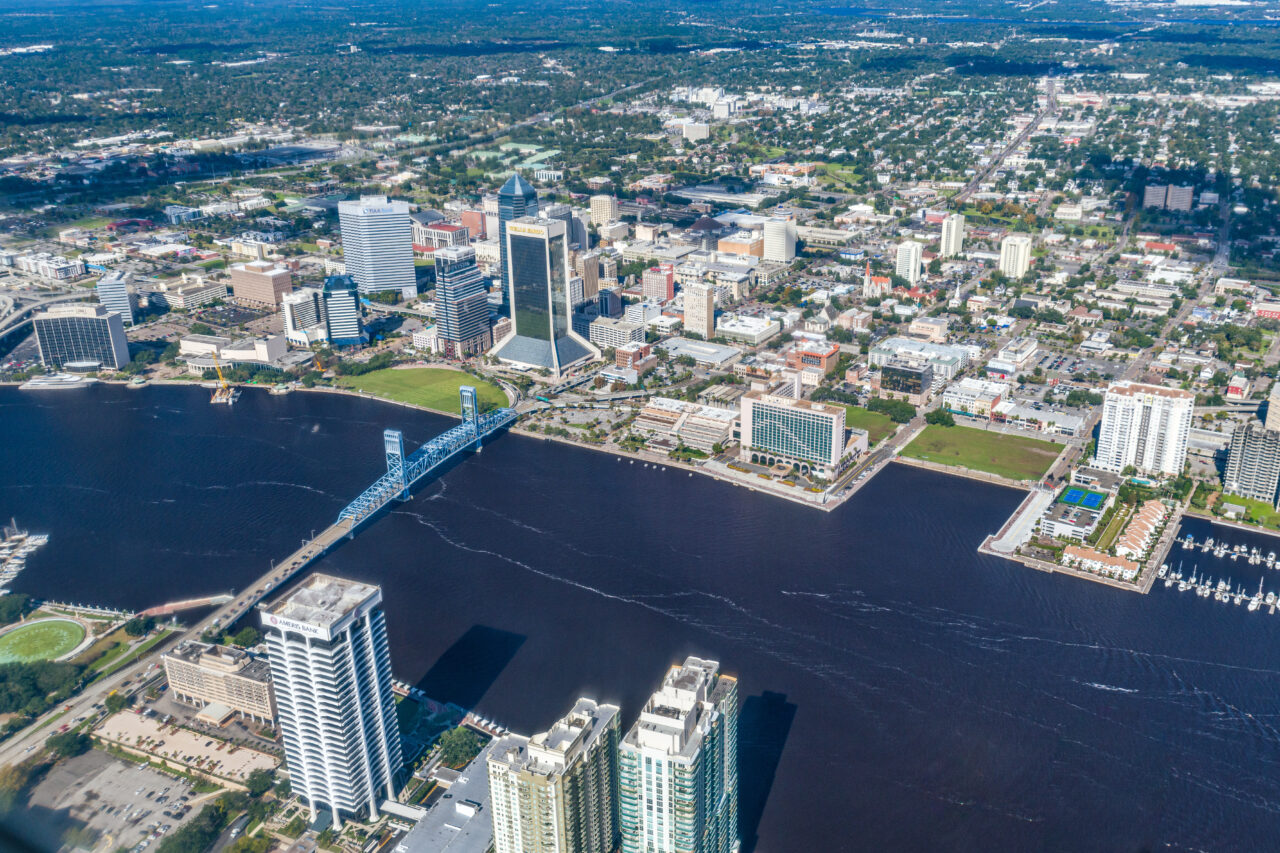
x: 470, y: 410
x: 393, y: 440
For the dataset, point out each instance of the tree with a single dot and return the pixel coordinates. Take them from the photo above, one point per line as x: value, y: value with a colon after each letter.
x: 139, y: 626
x: 247, y: 636
x: 14, y: 607
x: 458, y: 746
x: 941, y: 417
x: 69, y: 744
x: 256, y: 844
x: 116, y: 702
x: 259, y: 782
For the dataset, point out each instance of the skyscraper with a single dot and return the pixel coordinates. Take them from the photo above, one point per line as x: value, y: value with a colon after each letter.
x: 1253, y: 463
x: 304, y: 316
x: 575, y: 229
x: 331, y: 671
x: 462, y: 304
x: 1146, y: 426
x: 952, y: 235
x: 516, y: 199
x: 342, y: 312
x: 538, y: 290
x: 700, y: 310
x: 85, y: 333
x: 910, y: 255
x: 1015, y: 255
x: 780, y: 240
x: 678, y: 765
x: 113, y: 294
x: 377, y: 244
x: 557, y: 792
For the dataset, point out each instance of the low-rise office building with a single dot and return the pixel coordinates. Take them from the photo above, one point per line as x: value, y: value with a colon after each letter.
x: 201, y: 675
x: 260, y: 283
x: 691, y: 424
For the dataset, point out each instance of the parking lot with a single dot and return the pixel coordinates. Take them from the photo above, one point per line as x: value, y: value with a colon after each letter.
x: 125, y: 805
x: 193, y: 750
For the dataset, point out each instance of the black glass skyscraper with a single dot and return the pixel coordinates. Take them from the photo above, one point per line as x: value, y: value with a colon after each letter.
x: 517, y: 198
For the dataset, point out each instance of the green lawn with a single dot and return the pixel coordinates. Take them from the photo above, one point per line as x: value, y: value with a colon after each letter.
x: 45, y: 639
x: 1009, y: 456
x: 433, y: 387
x: 876, y: 424
x: 1256, y: 512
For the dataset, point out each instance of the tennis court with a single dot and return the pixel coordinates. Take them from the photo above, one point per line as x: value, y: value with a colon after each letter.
x: 1082, y: 497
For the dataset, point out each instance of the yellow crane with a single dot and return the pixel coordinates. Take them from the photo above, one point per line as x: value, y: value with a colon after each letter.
x: 224, y: 393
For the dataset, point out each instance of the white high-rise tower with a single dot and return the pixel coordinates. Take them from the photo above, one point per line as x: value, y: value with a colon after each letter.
x: 952, y: 235
x: 1146, y: 426
x: 331, y: 670
x: 910, y: 256
x: 1015, y: 255
x: 377, y: 244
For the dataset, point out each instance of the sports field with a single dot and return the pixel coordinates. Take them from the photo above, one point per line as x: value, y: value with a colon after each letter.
x: 1012, y: 456
x: 44, y: 639
x: 433, y: 387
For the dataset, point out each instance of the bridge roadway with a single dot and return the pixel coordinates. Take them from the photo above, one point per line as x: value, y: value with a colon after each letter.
x: 401, y: 476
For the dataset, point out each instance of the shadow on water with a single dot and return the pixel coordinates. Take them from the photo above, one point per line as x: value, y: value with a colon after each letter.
x: 763, y: 726
x: 468, y: 668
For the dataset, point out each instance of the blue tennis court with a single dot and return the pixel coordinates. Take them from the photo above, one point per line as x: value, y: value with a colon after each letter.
x: 1086, y: 498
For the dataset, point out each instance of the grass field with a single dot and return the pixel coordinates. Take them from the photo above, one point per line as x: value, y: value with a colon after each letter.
x: 1009, y: 456
x: 45, y: 639
x: 433, y: 387
x: 876, y: 424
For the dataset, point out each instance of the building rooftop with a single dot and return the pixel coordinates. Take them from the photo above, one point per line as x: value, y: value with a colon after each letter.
x: 1133, y: 389
x: 459, y: 822
x: 320, y: 602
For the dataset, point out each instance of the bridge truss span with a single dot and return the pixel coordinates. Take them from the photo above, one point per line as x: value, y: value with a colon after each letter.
x: 403, y: 472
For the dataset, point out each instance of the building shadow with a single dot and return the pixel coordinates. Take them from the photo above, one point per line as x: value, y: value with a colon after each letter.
x: 764, y: 723
x: 468, y: 668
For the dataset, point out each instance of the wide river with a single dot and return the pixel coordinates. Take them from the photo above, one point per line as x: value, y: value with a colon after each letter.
x: 900, y: 692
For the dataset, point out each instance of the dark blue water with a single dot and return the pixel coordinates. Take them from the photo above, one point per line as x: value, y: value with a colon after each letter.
x: 900, y: 691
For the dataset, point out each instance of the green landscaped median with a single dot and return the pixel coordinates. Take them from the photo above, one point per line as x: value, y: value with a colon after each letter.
x: 876, y: 424
x: 43, y: 639
x: 432, y: 387
x: 1011, y: 456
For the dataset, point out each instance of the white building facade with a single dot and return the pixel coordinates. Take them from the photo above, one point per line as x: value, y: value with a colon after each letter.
x: 1146, y: 426
x: 377, y: 245
x: 331, y: 671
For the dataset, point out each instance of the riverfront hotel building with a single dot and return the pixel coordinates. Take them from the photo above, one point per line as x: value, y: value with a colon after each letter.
x: 67, y: 334
x: 678, y: 765
x: 782, y: 430
x: 327, y: 644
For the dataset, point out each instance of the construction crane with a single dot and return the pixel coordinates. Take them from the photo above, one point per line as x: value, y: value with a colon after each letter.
x: 224, y: 393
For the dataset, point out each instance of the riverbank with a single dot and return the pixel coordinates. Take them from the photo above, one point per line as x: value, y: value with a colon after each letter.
x: 1226, y: 522
x: 957, y: 471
